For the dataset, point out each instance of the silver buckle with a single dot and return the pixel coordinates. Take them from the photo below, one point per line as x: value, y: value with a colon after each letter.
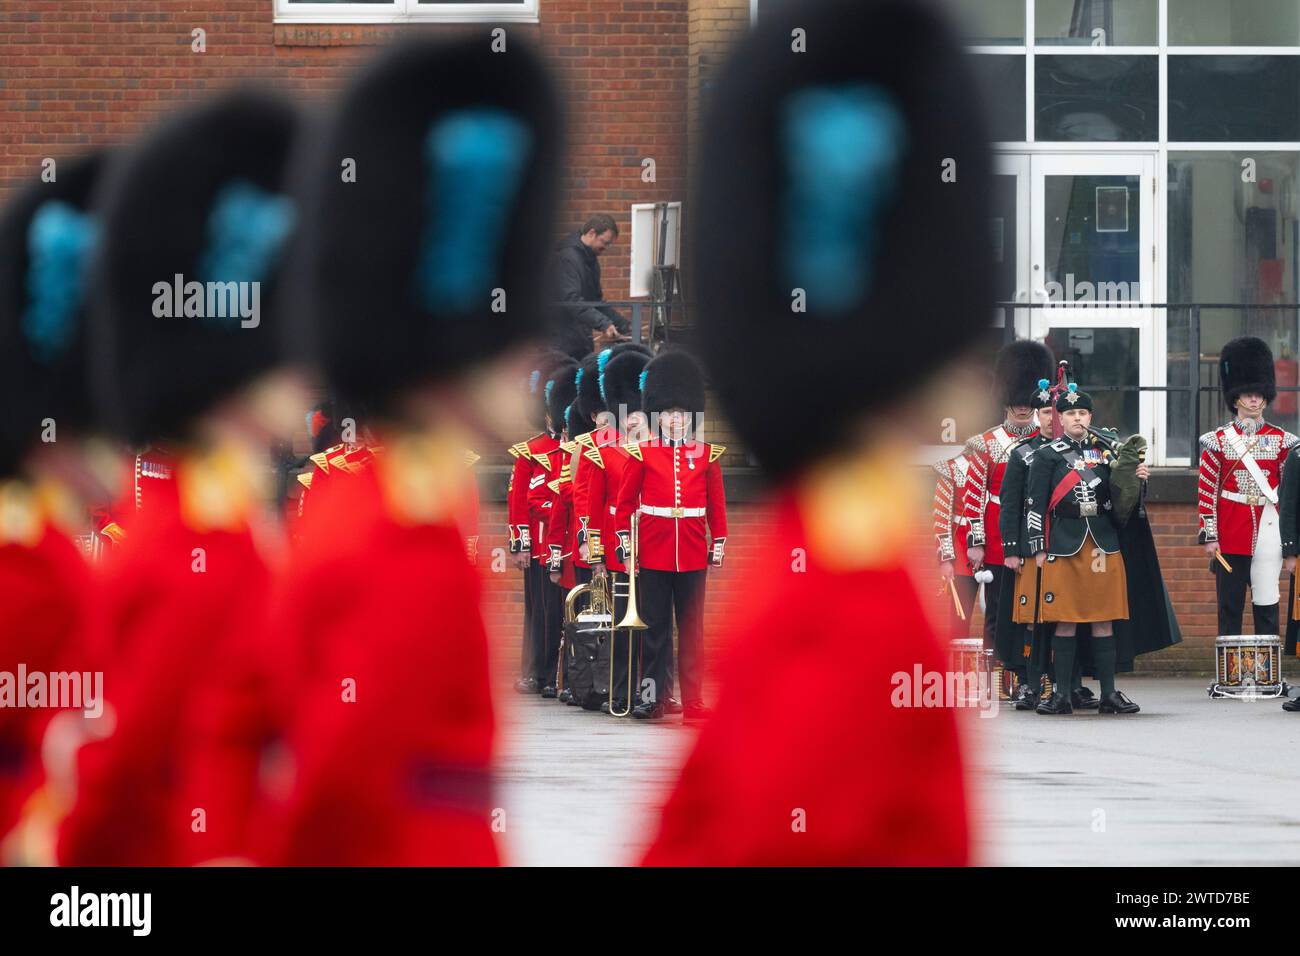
x: 1088, y: 509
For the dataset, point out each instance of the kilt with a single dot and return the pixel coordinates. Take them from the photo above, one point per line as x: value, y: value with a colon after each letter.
x: 1023, y: 605
x: 1072, y: 591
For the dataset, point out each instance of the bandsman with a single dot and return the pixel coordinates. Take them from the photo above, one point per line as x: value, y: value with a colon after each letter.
x: 817, y: 395
x: 1074, y: 511
x: 200, y: 198
x: 673, y: 483
x: 392, y: 733
x: 1237, y: 490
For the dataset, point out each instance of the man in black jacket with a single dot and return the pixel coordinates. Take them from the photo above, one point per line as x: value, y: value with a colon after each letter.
x: 577, y: 279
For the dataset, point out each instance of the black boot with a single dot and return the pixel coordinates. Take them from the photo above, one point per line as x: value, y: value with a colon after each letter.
x: 526, y: 685
x: 1056, y: 704
x: 1026, y: 698
x: 1291, y: 704
x: 1083, y: 699
x: 565, y: 696
x: 1117, y: 703
x: 548, y: 692
x: 652, y: 711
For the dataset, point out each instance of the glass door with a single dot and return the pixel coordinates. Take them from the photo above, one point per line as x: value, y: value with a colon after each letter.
x: 1092, y: 241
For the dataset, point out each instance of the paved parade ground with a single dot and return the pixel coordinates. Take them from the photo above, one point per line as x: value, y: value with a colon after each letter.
x: 1189, y: 781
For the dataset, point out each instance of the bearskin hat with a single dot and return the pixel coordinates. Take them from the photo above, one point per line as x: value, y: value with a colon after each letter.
x: 574, y: 421
x: 620, y: 381
x: 826, y: 170
x: 47, y: 235
x: 187, y: 275
x: 546, y: 362
x: 673, y: 379
x: 589, y: 396
x: 1018, y: 370
x: 560, y: 391
x: 426, y: 261
x: 1246, y: 366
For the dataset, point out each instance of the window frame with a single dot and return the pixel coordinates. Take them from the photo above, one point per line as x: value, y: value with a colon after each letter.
x: 406, y: 11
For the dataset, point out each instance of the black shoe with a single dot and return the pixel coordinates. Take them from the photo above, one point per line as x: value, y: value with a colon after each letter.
x: 1026, y: 698
x: 1117, y: 703
x: 620, y: 706
x: 1056, y: 704
x: 548, y: 692
x: 1083, y: 701
x: 695, y: 712
x: 1085, y: 692
x: 672, y: 706
x: 648, y: 711
x: 565, y: 696
x: 526, y: 685
x: 1291, y: 704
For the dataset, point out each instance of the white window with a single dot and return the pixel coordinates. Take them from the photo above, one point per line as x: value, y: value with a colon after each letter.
x: 403, y: 11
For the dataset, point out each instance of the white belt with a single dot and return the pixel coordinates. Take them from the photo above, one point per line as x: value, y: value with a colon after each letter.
x: 673, y: 512
x: 1256, y: 500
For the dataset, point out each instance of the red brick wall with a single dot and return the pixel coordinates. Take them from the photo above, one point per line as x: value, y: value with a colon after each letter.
x: 75, y: 73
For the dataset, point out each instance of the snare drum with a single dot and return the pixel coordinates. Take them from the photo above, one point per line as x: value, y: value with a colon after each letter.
x: 1248, y: 666
x: 968, y: 656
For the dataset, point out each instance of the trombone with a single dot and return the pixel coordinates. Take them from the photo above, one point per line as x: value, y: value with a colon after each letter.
x: 631, y: 620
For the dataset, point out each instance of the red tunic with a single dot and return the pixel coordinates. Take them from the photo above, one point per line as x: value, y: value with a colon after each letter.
x: 401, y: 774
x: 548, y: 464
x: 949, y: 522
x: 45, y: 583
x: 1229, y: 499
x: 987, y: 454
x: 597, y: 495
x: 188, y: 589
x: 782, y: 775
x: 678, y: 491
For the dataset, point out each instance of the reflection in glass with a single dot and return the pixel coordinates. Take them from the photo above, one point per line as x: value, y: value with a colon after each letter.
x: 1097, y: 22
x: 1002, y: 231
x: 1234, y: 23
x: 1215, y: 99
x: 1002, y: 85
x: 989, y: 22
x: 1091, y: 238
x: 1096, y: 98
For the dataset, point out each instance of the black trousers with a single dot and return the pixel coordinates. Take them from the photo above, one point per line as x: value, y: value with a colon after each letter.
x: 991, y: 601
x: 967, y: 590
x: 526, y: 665
x: 662, y: 594
x: 548, y: 621
x: 1231, y: 592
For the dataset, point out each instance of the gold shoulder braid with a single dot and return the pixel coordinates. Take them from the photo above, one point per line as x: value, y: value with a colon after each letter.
x: 422, y: 477
x: 21, y: 521
x: 857, y: 510
x: 218, y: 488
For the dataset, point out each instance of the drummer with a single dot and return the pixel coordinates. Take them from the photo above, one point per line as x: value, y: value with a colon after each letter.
x: 1075, y: 541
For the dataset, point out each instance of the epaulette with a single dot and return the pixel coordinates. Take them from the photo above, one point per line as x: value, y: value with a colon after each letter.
x: 554, y: 485
x: 470, y: 458
x: 593, y: 456
x: 633, y: 449
x: 542, y: 458
x: 341, y: 462
x: 114, y: 532
x: 588, y: 440
x: 520, y: 450
x: 975, y: 445
x: 321, y: 461
x: 1289, y: 440
x: 943, y: 467
x: 304, y: 479
x: 716, y: 452
x: 568, y: 447
x: 1210, y: 441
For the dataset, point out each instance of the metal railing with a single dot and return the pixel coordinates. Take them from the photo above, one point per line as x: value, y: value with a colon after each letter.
x: 1252, y: 321
x: 648, y: 316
